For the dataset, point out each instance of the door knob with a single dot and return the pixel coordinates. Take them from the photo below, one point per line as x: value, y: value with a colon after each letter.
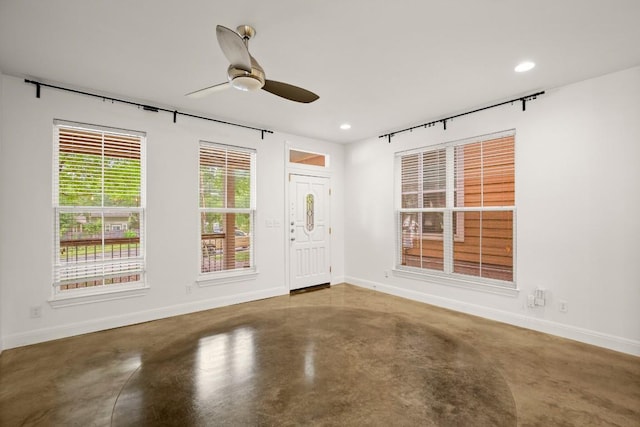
x: 293, y: 238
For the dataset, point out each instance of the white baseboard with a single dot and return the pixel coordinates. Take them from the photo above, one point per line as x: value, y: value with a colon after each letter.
x: 337, y: 280
x: 94, y: 325
x: 587, y: 336
x: 611, y: 342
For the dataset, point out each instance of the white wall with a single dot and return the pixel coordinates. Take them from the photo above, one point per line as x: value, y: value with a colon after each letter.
x: 1, y: 217
x: 577, y: 197
x: 172, y: 214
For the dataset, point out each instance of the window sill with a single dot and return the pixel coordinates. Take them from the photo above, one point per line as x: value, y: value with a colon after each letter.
x: 466, y: 282
x: 224, y: 277
x: 81, y: 297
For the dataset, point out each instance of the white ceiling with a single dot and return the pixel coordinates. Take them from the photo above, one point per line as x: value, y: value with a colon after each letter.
x: 380, y: 65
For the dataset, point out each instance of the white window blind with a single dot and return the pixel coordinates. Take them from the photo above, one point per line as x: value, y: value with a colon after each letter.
x: 457, y: 208
x: 227, y: 208
x: 98, y: 201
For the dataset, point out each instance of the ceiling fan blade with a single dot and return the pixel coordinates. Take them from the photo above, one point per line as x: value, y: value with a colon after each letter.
x: 233, y: 48
x: 290, y: 92
x: 208, y: 90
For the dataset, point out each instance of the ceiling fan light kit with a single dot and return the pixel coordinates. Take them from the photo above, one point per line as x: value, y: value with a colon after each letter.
x: 244, y: 72
x: 247, y: 83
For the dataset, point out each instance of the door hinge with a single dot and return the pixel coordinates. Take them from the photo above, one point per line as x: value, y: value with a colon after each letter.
x: 329, y: 269
x: 329, y: 230
x: 329, y: 191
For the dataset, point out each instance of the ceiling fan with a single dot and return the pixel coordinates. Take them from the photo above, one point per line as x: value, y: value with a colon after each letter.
x: 245, y: 73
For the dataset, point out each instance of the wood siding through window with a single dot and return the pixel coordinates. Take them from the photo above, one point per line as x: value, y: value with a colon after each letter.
x: 486, y: 237
x: 80, y: 141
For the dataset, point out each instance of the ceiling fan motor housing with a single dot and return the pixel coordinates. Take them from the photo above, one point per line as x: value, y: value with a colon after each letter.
x: 245, y: 80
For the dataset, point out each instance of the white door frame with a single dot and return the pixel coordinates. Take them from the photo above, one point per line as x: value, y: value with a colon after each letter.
x: 304, y: 170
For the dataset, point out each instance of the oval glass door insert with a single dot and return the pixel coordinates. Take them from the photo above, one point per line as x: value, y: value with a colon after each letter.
x: 309, y: 215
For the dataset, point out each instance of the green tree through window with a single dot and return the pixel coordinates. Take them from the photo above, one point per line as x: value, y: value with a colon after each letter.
x: 99, y: 207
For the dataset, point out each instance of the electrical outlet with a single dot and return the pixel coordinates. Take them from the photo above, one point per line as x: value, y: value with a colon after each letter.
x: 531, y: 301
x: 540, y: 296
x: 35, y: 312
x: 188, y: 289
x: 386, y: 273
x: 563, y: 306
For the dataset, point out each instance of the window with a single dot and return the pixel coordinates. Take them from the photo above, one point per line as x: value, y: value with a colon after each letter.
x: 227, y: 208
x: 457, y: 208
x: 98, y: 180
x: 308, y: 158
x: 424, y: 186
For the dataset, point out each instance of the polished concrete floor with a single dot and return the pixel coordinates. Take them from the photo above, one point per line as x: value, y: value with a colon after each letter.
x: 338, y: 356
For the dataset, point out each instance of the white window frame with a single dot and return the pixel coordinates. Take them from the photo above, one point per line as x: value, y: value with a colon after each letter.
x: 239, y: 274
x: 447, y: 276
x: 459, y: 196
x: 304, y: 166
x: 70, y: 297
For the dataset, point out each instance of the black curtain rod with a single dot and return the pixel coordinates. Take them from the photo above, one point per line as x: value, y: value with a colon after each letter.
x: 522, y: 99
x: 144, y: 107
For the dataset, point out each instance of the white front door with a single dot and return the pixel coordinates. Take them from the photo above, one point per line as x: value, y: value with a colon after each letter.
x: 309, y: 231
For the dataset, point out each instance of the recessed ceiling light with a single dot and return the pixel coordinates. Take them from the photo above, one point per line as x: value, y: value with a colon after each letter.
x: 524, y: 66
x: 345, y: 126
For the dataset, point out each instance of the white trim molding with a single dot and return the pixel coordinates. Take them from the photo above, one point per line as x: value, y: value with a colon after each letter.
x: 467, y: 282
x: 112, y: 293
x: 94, y: 325
x: 337, y: 280
x: 612, y: 342
x: 224, y: 277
